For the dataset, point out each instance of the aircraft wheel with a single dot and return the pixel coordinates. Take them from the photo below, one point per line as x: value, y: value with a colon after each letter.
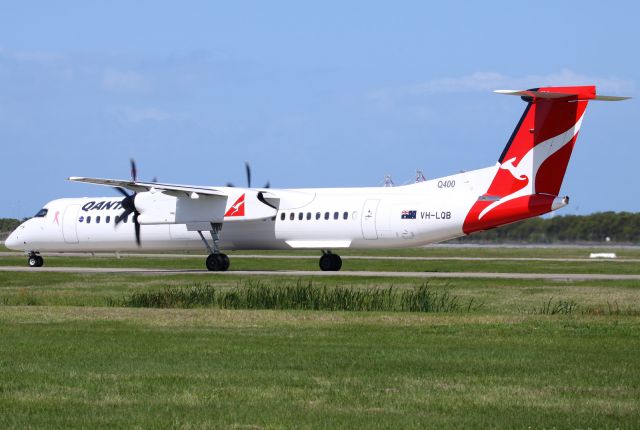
x: 35, y: 261
x: 217, y: 262
x: 225, y: 262
x: 330, y: 262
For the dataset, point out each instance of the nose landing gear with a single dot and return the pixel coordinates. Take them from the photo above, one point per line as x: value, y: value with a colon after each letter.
x: 330, y: 262
x: 35, y: 260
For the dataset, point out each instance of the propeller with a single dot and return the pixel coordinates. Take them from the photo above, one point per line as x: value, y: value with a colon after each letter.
x: 134, y: 171
x: 128, y: 204
x: 247, y: 169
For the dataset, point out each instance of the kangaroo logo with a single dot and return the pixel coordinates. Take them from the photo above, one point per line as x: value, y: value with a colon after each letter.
x: 530, y: 163
x: 515, y: 172
x: 236, y: 209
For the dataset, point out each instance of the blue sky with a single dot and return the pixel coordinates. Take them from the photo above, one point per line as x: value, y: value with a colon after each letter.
x: 327, y: 94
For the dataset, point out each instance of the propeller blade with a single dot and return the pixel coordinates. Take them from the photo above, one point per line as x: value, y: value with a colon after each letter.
x: 248, y: 169
x: 134, y: 171
x: 122, y: 216
x: 136, y: 225
x: 128, y: 203
x: 122, y: 191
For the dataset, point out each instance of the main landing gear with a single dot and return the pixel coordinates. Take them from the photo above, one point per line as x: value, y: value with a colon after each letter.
x: 35, y: 260
x: 216, y: 261
x: 330, y: 262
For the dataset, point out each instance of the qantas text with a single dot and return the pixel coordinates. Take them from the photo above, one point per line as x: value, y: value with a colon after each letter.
x: 103, y: 205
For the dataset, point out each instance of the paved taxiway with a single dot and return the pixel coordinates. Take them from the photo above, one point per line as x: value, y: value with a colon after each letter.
x: 345, y: 273
x: 315, y: 257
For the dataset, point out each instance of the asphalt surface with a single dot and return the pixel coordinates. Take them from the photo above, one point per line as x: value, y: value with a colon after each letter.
x: 345, y: 273
x: 315, y: 257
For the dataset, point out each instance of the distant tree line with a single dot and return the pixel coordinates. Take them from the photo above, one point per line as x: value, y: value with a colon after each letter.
x: 618, y: 227
x: 8, y: 224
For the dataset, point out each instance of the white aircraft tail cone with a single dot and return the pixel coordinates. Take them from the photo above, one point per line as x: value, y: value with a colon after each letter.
x: 560, y: 202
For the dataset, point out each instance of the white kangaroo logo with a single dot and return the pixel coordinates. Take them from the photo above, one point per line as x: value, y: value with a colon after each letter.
x: 530, y: 163
x: 515, y: 172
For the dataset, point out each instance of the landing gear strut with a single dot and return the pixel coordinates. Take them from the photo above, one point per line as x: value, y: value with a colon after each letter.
x: 330, y: 262
x: 35, y: 260
x: 216, y: 261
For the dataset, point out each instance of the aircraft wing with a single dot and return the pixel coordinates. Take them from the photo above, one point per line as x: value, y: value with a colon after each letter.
x: 138, y: 186
x: 195, y: 206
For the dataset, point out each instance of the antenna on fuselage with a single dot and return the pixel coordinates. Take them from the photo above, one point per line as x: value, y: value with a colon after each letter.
x: 388, y: 182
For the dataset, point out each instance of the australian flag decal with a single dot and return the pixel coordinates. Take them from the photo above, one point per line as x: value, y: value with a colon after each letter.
x: 408, y: 215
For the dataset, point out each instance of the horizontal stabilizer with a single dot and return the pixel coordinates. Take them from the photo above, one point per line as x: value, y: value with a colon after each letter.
x: 611, y: 98
x: 541, y: 94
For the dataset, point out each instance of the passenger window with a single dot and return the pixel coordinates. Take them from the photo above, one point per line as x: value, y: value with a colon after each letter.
x: 88, y: 220
x: 124, y: 219
x: 292, y: 216
x: 308, y: 216
x: 108, y: 220
x: 317, y: 215
x: 345, y: 215
x: 98, y: 219
x: 326, y: 215
x: 335, y: 215
x: 282, y: 215
x: 300, y: 216
x: 115, y: 219
x: 41, y: 213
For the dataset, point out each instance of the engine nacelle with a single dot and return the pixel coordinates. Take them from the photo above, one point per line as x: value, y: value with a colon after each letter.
x: 155, y: 208
x: 159, y: 208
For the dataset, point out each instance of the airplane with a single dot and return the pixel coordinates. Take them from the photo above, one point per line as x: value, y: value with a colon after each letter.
x: 154, y: 216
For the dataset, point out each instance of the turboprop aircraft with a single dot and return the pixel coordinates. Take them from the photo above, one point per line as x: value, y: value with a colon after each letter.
x: 155, y: 216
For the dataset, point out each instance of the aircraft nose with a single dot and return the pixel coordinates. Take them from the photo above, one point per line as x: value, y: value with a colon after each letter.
x: 13, y: 241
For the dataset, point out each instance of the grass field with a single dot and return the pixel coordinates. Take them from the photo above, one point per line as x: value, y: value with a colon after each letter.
x: 70, y: 359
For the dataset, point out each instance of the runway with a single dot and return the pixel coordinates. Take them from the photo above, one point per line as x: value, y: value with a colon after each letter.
x: 345, y: 273
x: 315, y: 257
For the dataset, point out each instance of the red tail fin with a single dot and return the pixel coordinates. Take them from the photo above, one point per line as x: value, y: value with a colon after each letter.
x: 532, y: 165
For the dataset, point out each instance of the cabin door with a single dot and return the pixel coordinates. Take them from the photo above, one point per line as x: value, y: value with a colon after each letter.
x: 369, y: 219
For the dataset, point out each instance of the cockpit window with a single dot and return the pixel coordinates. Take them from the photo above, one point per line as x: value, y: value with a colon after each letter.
x: 41, y: 213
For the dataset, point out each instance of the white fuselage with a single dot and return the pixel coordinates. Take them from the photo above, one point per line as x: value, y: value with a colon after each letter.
x: 323, y: 218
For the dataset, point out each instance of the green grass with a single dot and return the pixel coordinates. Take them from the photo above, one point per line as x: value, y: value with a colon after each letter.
x: 92, y: 368
x: 298, y: 296
x: 535, y: 354
x: 497, y: 296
